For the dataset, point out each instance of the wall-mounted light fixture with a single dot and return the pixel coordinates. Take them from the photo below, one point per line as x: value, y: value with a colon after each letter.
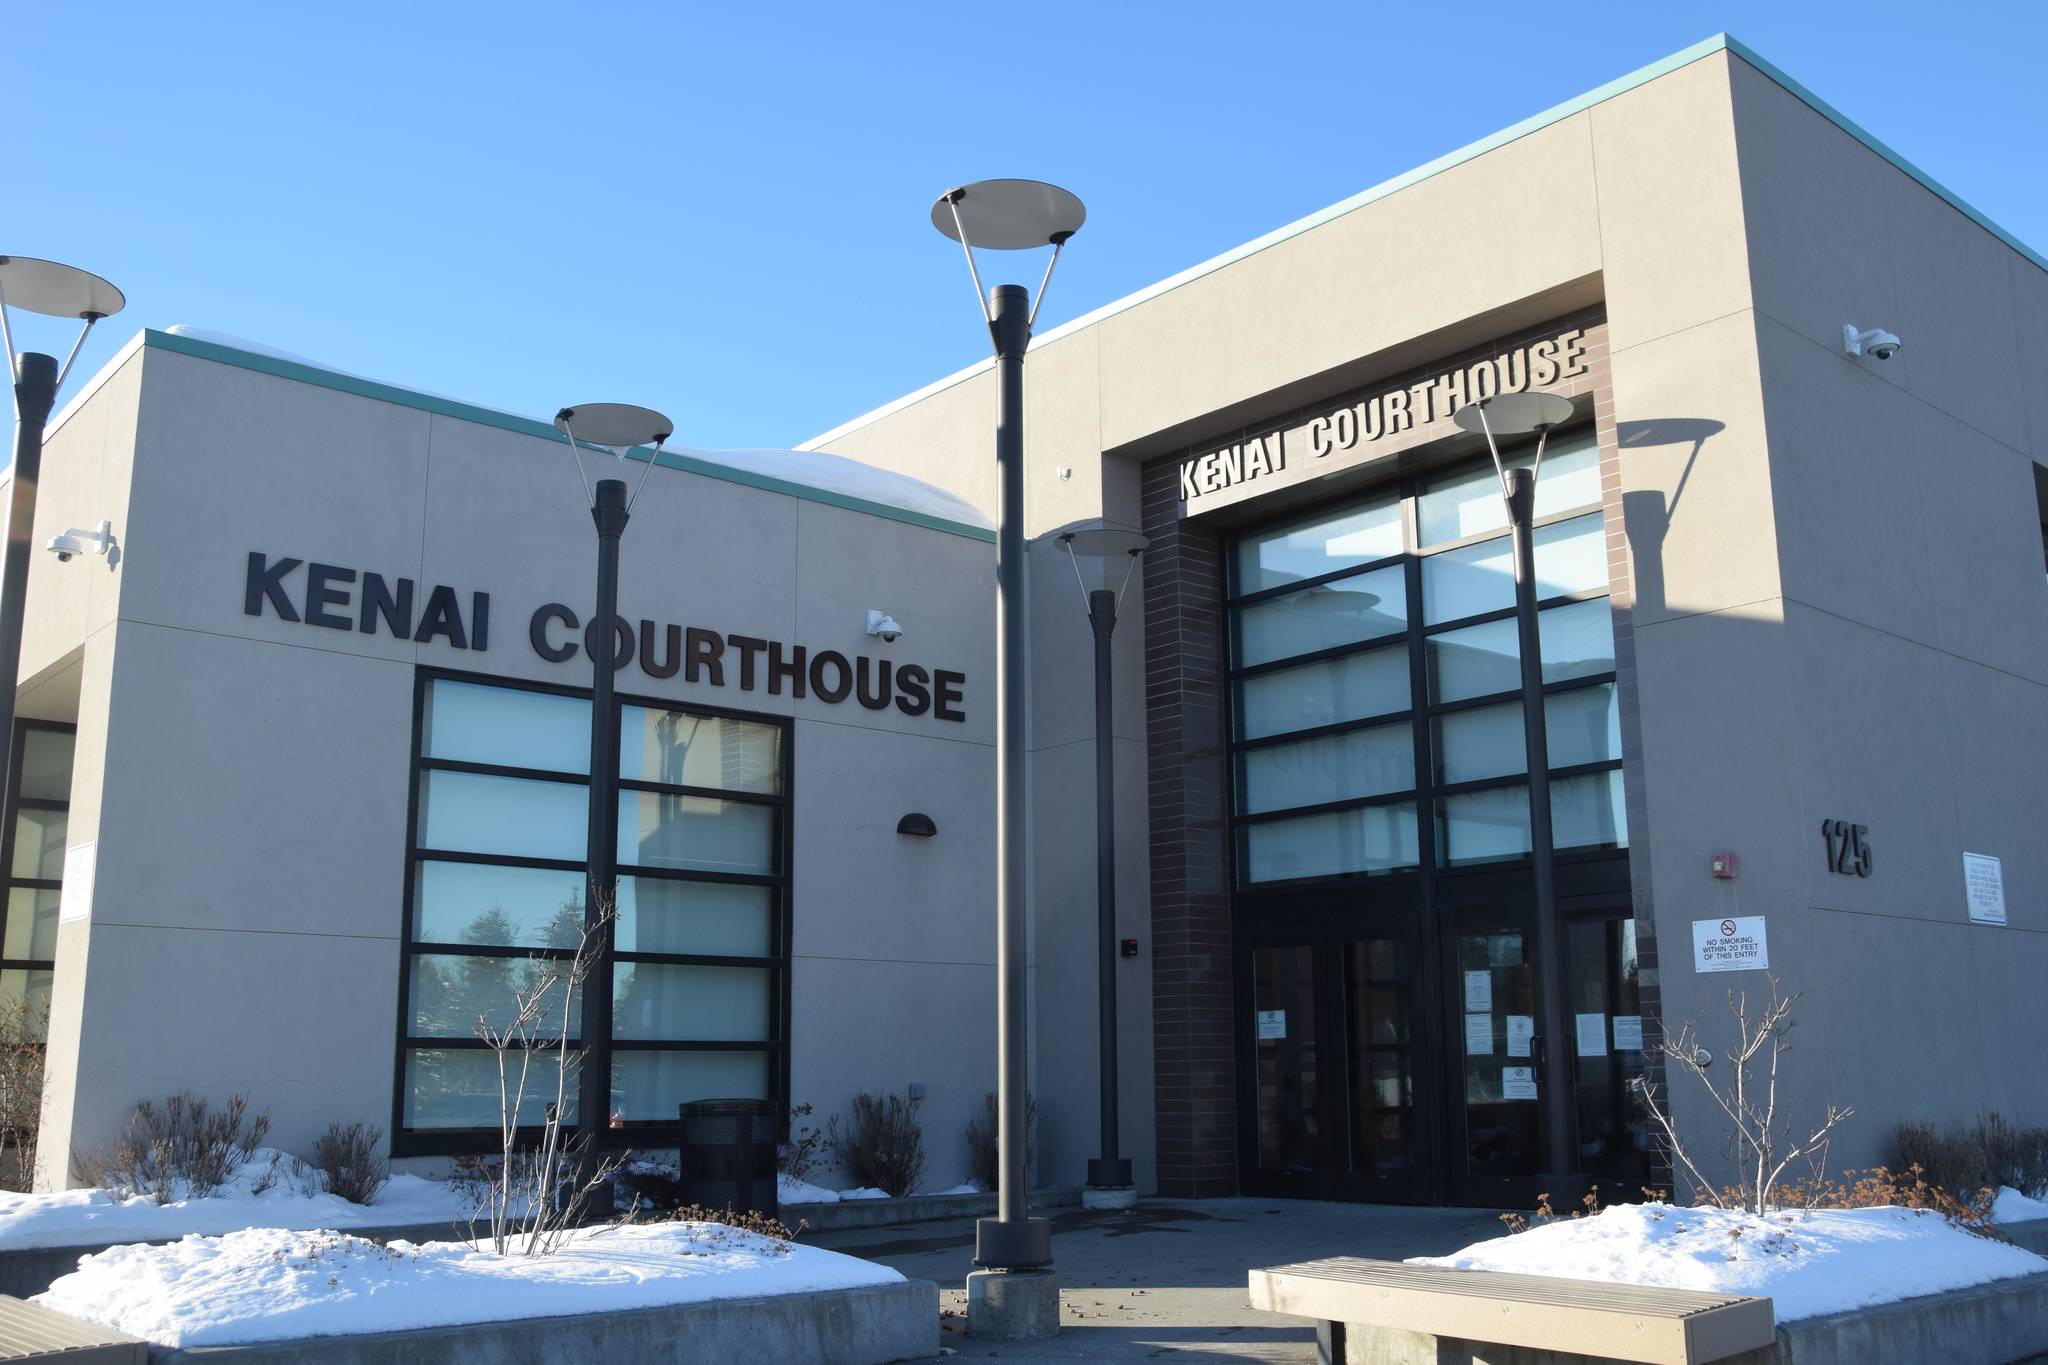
x: 917, y: 825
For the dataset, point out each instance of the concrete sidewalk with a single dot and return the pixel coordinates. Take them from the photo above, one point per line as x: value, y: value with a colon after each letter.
x: 1166, y: 1281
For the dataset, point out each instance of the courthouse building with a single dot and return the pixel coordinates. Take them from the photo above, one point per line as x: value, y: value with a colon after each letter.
x: 305, y: 764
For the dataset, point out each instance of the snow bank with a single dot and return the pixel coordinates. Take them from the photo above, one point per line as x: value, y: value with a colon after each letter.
x: 2013, y: 1207
x: 266, y: 1284
x: 96, y: 1218
x: 1808, y: 1263
x: 811, y: 468
x: 865, y: 1192
x: 969, y: 1187
x: 790, y: 1190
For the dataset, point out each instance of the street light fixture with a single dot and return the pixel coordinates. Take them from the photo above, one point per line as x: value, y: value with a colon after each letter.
x: 617, y: 427
x: 1010, y: 215
x: 1520, y: 414
x: 58, y: 291
x: 1109, y: 1175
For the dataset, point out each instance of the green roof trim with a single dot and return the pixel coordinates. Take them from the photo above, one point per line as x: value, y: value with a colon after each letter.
x: 280, y: 368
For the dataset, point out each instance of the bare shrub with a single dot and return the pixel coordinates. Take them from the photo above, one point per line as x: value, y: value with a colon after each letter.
x: 752, y: 1222
x: 183, y: 1149
x: 1987, y: 1152
x: 982, y: 1155
x: 1762, y: 1143
x: 351, y: 1157
x: 535, y: 1191
x: 800, y: 1157
x: 883, y: 1147
x: 23, y: 1027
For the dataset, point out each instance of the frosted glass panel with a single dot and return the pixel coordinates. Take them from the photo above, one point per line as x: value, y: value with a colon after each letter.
x: 451, y: 1089
x: 1577, y: 640
x: 657, y: 915
x: 39, y: 843
x: 1582, y: 726
x: 508, y: 726
x: 1339, y: 613
x: 32, y: 923
x: 1588, y: 812
x: 1468, y: 581
x: 660, y: 1003
x: 510, y: 907
x: 1372, y: 839
x: 648, y: 1086
x: 449, y: 994
x: 1571, y: 556
x: 1371, y: 683
x: 1469, y: 502
x: 1475, y: 660
x: 698, y: 833
x: 1482, y: 743
x: 1483, y: 826
x: 1313, y: 548
x: 475, y: 813
x: 685, y: 750
x: 46, y: 764
x: 1370, y: 762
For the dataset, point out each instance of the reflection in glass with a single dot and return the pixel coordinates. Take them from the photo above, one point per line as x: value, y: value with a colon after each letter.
x: 683, y: 749
x: 508, y: 726
x: 1370, y: 839
x: 447, y: 1088
x: 32, y: 922
x: 1369, y: 762
x: 1494, y: 977
x: 663, y: 915
x: 1481, y: 743
x: 1468, y: 581
x: 449, y: 994
x: 1577, y: 639
x: 1382, y: 1068
x: 697, y: 833
x: 672, y: 1003
x: 1338, y: 613
x: 529, y: 818
x: 1602, y: 977
x: 1373, y: 682
x: 39, y: 843
x: 648, y: 1085
x: 514, y: 907
x: 1582, y: 726
x: 46, y: 764
x: 1326, y: 544
x: 1474, y: 660
x: 1284, y: 1005
x: 1469, y: 502
x: 1483, y: 826
x: 1571, y: 557
x: 1588, y: 811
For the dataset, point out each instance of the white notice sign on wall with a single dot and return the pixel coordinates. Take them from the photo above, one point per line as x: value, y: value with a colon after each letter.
x: 1984, y: 884
x: 1730, y: 945
x: 74, y: 902
x: 1272, y: 1023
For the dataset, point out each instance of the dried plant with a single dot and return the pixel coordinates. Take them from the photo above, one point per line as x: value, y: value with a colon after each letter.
x: 23, y: 1027
x: 351, y: 1157
x: 751, y: 1223
x: 534, y: 1192
x: 883, y: 1148
x: 183, y: 1149
x: 800, y: 1157
x: 1762, y: 1143
x: 1987, y: 1152
x: 982, y: 1155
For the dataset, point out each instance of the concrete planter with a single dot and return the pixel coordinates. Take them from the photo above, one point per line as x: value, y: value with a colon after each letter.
x: 916, y: 1208
x: 31, y: 1270
x: 2032, y: 1234
x: 866, y: 1326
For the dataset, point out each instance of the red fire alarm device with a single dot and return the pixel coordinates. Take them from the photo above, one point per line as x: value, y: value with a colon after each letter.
x: 1726, y: 864
x: 1128, y: 948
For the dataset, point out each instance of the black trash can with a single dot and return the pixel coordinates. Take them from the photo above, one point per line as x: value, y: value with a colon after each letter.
x: 727, y: 1154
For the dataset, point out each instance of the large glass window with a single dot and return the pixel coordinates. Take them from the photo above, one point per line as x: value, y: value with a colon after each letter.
x: 35, y: 866
x: 700, y: 965
x: 1337, y: 618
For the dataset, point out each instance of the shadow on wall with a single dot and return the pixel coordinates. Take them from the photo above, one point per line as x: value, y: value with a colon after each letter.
x: 1647, y: 515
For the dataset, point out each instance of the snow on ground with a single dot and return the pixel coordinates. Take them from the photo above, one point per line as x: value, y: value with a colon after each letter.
x: 2013, y: 1207
x: 865, y: 1192
x: 970, y: 1187
x: 1807, y: 1262
x: 97, y: 1218
x: 790, y: 1190
x: 265, y: 1284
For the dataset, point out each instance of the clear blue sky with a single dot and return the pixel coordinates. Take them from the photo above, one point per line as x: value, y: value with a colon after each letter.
x: 719, y: 209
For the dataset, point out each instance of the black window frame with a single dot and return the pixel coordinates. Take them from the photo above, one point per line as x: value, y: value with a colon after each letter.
x: 17, y: 803
x: 407, y: 1142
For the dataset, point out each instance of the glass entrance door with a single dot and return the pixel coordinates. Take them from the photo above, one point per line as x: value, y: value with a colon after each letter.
x: 1288, y: 1125
x: 1388, y: 1121
x: 1494, y: 1139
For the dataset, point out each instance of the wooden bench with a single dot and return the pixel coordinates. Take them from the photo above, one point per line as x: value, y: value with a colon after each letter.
x: 1534, y: 1312
x: 31, y: 1332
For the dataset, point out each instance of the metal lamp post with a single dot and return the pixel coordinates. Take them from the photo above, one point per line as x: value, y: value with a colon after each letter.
x: 1010, y: 215
x: 618, y: 427
x: 58, y: 291
x: 1520, y: 414
x: 1109, y: 1175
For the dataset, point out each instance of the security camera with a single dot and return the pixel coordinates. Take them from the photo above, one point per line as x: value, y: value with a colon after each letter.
x: 883, y: 624
x: 65, y: 546
x: 100, y: 540
x: 1875, y: 341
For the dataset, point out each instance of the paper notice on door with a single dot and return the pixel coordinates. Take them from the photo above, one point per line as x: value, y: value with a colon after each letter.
x: 1628, y: 1033
x: 1518, y: 1083
x: 1272, y: 1024
x: 1479, y: 992
x: 1479, y: 1035
x: 1592, y: 1035
x: 1521, y: 1028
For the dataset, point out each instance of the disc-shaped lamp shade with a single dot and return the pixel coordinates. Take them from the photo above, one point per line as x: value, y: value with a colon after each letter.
x: 1334, y: 602
x: 618, y: 425
x: 58, y: 291
x: 1009, y: 215
x: 1515, y: 414
x: 1104, y: 540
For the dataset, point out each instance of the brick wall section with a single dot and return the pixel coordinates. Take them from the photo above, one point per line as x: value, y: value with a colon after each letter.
x: 1193, y: 1043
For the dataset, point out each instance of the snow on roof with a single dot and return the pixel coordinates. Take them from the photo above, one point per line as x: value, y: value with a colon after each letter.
x: 839, y: 474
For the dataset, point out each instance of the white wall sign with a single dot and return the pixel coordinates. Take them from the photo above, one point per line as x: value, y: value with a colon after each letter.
x: 1984, y: 884
x: 1272, y: 1023
x: 1730, y: 945
x: 1521, y: 1028
x: 1592, y: 1035
x: 1479, y: 992
x: 1518, y: 1082
x: 1479, y: 1035
x: 74, y: 902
